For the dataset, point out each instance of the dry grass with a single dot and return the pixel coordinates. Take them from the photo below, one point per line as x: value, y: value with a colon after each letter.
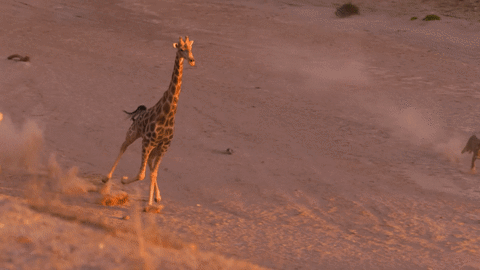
x: 118, y: 199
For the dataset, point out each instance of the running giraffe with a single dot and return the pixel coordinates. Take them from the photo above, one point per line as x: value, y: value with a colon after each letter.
x: 155, y: 125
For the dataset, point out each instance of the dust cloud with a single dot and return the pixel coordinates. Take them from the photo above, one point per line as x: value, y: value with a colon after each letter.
x: 423, y: 127
x: 69, y: 182
x: 324, y: 66
x: 332, y: 65
x: 20, y: 147
x: 451, y: 148
x: 416, y: 125
x: 419, y: 126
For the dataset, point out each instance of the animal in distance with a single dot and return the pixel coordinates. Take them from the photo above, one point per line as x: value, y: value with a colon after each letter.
x: 473, y: 145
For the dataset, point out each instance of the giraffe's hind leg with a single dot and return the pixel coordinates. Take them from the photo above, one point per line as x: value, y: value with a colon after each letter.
x: 152, y: 160
x: 131, y: 137
x: 154, y: 163
x: 158, y: 198
x: 147, y: 148
x: 153, y: 180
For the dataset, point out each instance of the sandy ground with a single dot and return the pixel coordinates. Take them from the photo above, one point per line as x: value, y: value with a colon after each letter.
x: 346, y: 135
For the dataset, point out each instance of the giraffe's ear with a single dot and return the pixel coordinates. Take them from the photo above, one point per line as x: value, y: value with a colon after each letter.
x: 191, y: 42
x: 175, y: 45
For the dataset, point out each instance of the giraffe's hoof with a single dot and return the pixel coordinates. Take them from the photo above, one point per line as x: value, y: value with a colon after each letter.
x: 158, y: 199
x: 124, y: 180
x: 105, y: 179
x: 153, y: 209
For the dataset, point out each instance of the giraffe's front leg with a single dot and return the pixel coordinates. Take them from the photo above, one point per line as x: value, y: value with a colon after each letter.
x: 129, y: 140
x: 147, y: 148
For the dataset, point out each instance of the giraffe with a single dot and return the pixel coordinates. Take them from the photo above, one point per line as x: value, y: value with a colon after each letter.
x: 156, y: 124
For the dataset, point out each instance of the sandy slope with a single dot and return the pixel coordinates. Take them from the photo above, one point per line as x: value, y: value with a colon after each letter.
x: 347, y: 136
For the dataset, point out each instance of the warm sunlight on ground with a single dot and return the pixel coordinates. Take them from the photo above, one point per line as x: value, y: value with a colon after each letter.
x: 302, y: 140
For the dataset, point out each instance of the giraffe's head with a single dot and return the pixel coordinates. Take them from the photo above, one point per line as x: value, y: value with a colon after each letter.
x: 185, y: 50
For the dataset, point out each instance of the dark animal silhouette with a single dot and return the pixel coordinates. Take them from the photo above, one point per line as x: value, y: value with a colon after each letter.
x: 473, y: 145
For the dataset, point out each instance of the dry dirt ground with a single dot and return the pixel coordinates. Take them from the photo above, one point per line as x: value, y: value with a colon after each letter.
x: 346, y: 135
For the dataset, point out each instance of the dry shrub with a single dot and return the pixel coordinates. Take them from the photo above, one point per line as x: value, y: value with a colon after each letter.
x: 347, y: 10
x: 118, y: 199
x: 431, y: 17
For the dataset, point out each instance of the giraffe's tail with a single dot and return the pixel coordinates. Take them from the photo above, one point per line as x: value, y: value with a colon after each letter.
x: 134, y: 114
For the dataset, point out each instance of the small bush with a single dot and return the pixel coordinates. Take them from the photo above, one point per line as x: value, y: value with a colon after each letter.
x: 413, y: 18
x: 347, y: 10
x: 118, y: 199
x: 431, y: 17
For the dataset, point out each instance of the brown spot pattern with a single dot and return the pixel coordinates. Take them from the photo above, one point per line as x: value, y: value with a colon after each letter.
x: 166, y: 107
x: 161, y: 120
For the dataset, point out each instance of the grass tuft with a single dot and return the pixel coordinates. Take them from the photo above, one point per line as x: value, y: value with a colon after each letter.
x: 347, y: 10
x: 431, y: 17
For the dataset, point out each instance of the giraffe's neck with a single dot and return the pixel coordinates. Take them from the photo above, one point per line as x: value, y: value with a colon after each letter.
x: 171, y: 95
